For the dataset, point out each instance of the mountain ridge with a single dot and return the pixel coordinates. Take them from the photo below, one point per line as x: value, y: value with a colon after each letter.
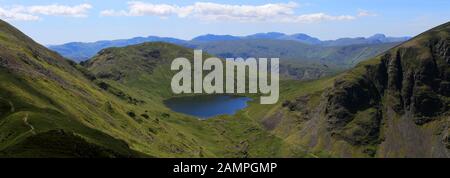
x: 394, y: 105
x: 80, y: 51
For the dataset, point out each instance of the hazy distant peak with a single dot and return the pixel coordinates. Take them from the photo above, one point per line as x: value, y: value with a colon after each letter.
x: 378, y: 36
x: 212, y: 37
x: 269, y: 35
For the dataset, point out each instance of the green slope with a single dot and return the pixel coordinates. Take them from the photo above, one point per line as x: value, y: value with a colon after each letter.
x: 42, y: 93
x: 45, y: 97
x: 395, y: 105
x: 142, y: 72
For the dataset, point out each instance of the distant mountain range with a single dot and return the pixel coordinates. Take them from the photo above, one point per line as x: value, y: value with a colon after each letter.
x: 303, y: 38
x: 79, y: 51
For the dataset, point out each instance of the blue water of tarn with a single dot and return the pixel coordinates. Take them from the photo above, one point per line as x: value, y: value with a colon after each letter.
x: 207, y: 106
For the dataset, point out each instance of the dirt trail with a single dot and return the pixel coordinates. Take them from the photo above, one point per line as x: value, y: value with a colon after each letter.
x: 25, y: 120
x: 313, y: 155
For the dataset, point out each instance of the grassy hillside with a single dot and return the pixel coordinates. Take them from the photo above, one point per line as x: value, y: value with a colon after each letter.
x: 395, y: 105
x: 142, y: 73
x: 51, y: 107
x: 43, y: 97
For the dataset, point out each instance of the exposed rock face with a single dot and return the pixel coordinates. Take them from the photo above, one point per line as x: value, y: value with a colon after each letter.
x: 410, y: 81
x: 447, y: 141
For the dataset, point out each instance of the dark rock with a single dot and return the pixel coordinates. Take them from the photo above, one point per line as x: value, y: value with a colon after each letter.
x: 447, y: 141
x: 370, y: 151
x: 131, y: 114
x: 165, y: 115
x: 427, y: 103
x: 145, y: 116
x: 103, y: 85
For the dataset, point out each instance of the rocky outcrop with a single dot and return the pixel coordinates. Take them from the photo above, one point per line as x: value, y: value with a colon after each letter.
x: 410, y: 78
x: 410, y: 81
x: 447, y: 141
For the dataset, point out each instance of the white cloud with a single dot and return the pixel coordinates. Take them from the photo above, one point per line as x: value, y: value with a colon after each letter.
x: 112, y: 13
x: 30, y: 13
x: 214, y: 11
x: 60, y: 10
x: 366, y: 13
x: 137, y: 8
x: 14, y: 14
x: 316, y: 17
x: 279, y: 12
x: 140, y: 9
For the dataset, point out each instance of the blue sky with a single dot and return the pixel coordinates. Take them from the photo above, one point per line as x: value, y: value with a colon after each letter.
x: 57, y: 21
